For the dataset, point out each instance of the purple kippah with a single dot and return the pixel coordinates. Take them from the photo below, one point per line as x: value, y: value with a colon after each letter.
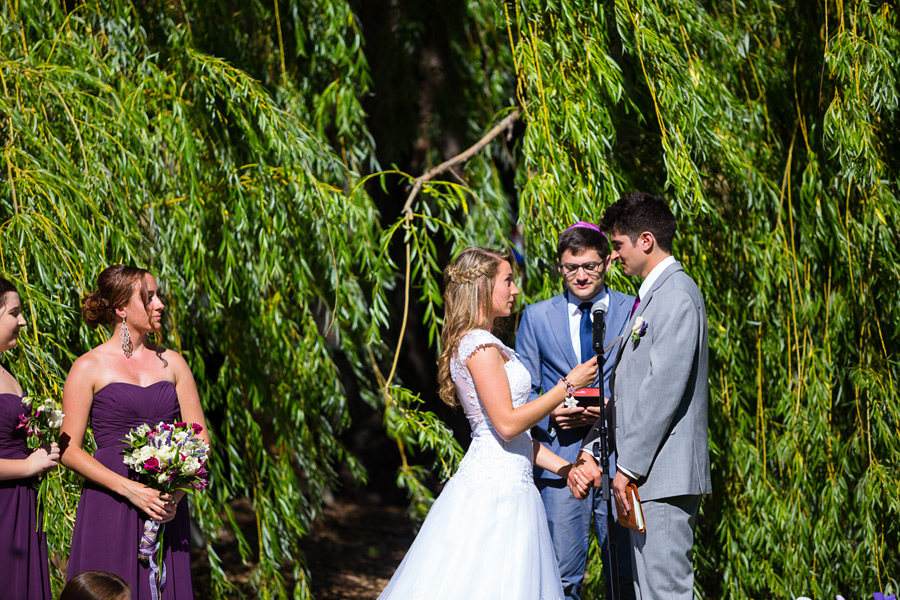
x: 586, y: 225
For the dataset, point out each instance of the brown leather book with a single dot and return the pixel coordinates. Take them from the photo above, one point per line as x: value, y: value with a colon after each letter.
x: 635, y: 518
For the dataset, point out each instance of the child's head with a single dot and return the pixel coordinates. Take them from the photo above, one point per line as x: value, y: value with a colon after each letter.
x: 96, y: 585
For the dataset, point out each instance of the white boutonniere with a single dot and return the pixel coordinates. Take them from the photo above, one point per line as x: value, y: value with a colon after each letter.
x: 639, y: 329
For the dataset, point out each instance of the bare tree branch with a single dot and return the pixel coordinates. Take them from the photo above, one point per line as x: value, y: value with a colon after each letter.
x: 460, y: 158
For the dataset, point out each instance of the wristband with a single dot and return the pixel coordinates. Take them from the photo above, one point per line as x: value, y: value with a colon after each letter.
x: 570, y: 389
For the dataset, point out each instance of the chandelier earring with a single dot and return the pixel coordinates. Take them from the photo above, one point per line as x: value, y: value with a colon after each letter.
x: 125, y: 336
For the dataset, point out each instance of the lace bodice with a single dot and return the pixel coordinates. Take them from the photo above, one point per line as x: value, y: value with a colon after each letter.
x: 495, y: 457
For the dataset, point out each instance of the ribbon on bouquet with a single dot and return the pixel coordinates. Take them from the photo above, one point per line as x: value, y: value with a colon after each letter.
x: 147, y: 551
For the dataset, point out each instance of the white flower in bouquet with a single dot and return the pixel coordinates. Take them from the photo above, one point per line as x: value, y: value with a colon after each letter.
x: 56, y: 418
x: 191, y: 465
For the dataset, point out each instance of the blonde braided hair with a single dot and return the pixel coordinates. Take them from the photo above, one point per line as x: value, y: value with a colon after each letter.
x: 455, y: 274
x: 468, y: 305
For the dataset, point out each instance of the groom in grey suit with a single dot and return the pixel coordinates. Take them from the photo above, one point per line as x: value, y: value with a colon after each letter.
x: 553, y: 337
x: 660, y: 389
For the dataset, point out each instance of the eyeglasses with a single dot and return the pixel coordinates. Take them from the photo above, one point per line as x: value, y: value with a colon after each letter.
x: 591, y: 268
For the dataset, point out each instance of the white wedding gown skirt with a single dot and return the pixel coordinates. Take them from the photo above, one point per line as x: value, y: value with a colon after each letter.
x: 483, y: 538
x: 486, y: 536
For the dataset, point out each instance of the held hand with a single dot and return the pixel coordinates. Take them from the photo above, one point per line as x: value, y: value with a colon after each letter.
x: 43, y: 459
x: 584, y: 374
x: 583, y: 475
x: 618, y: 488
x: 157, y: 505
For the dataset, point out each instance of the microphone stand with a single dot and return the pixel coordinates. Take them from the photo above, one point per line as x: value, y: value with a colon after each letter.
x: 601, y: 454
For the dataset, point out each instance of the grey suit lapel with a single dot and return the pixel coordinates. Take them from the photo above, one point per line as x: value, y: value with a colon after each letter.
x: 673, y: 268
x: 558, y: 322
x: 626, y: 335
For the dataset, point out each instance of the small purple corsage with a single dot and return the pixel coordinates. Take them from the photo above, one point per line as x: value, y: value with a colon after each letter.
x: 639, y: 329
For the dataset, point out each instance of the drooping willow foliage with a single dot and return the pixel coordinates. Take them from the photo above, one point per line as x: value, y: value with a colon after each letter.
x: 228, y: 150
x: 126, y: 140
x: 771, y: 128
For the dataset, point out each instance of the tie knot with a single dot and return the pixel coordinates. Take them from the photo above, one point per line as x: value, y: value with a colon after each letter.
x: 585, y: 306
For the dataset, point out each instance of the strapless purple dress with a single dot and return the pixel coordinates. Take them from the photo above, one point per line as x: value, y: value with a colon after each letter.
x: 24, y: 573
x: 107, y: 526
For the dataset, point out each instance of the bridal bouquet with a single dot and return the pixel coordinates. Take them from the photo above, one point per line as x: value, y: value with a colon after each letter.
x: 170, y: 457
x: 41, y: 421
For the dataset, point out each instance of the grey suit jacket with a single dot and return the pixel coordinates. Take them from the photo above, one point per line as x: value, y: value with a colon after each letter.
x: 660, y: 389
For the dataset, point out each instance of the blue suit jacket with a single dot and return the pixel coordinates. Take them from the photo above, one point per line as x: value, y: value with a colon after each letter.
x: 545, y: 347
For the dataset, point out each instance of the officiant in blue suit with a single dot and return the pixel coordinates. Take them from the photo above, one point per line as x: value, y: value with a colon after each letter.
x: 553, y: 337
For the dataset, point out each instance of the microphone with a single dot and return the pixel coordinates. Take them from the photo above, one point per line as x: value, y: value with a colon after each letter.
x: 598, y: 312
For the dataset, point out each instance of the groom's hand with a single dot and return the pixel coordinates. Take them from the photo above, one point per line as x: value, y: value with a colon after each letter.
x: 618, y: 487
x: 583, y: 475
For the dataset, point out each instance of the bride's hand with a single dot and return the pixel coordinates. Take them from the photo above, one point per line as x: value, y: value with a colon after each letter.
x: 152, y: 502
x: 584, y: 374
x: 583, y: 475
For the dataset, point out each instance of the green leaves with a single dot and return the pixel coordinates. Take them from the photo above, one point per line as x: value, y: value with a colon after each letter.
x: 226, y: 147
x: 769, y: 130
x: 127, y: 142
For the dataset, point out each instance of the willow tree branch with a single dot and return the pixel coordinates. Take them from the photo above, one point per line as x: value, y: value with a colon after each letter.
x: 460, y: 158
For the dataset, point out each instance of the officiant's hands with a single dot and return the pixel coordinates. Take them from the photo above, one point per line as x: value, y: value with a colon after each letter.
x: 581, y: 376
x: 584, y: 475
x: 573, y: 418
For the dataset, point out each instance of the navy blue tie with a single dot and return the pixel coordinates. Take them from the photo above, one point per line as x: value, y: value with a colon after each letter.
x: 587, y: 336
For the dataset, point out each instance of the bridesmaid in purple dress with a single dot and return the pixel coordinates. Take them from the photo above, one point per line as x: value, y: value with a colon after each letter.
x: 120, y: 384
x: 23, y: 546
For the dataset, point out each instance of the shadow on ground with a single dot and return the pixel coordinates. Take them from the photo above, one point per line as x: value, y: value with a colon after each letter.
x: 352, y: 551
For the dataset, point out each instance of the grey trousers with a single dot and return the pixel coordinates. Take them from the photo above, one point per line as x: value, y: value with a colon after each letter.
x: 662, y: 556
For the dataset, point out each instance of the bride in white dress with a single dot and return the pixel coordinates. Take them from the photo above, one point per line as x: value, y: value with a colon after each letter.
x: 486, y: 536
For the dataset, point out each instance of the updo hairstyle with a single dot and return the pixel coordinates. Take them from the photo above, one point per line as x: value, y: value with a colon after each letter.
x: 114, y: 288
x: 6, y: 286
x: 468, y: 305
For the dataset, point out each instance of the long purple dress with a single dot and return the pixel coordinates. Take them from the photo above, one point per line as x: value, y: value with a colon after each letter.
x: 24, y: 573
x: 107, y: 526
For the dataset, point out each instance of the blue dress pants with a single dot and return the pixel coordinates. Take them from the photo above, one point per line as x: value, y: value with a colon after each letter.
x: 570, y: 522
